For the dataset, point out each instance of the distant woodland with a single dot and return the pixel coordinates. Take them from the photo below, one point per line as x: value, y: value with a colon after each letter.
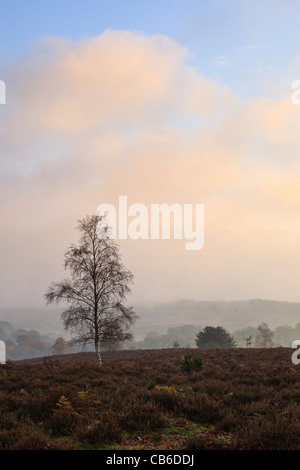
x: 184, y: 337
x: 23, y: 344
x: 28, y: 343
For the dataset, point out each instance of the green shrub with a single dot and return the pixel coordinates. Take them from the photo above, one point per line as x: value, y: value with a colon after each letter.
x: 191, y: 363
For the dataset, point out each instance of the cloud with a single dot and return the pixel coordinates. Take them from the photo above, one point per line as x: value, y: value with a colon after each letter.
x: 222, y: 60
x: 125, y: 114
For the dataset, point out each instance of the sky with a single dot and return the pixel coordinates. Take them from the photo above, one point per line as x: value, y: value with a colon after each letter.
x: 164, y: 102
x: 243, y: 43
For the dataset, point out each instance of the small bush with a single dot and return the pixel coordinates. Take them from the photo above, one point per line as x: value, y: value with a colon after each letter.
x: 191, y: 363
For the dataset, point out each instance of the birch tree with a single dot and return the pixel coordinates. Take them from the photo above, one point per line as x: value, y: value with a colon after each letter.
x: 96, y: 291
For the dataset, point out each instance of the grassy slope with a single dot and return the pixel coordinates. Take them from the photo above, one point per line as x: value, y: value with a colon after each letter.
x: 245, y: 399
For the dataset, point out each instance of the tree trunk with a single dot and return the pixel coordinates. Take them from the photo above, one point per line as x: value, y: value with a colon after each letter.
x: 98, y: 354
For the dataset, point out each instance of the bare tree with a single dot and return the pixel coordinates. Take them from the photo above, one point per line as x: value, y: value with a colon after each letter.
x: 98, y: 287
x: 264, y: 337
x: 248, y: 340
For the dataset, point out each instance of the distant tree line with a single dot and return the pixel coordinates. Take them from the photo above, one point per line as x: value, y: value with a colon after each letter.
x: 263, y: 336
x: 175, y: 337
x: 25, y: 344
x: 191, y: 336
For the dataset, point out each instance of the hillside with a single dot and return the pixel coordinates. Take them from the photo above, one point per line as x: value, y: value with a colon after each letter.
x: 240, y: 399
